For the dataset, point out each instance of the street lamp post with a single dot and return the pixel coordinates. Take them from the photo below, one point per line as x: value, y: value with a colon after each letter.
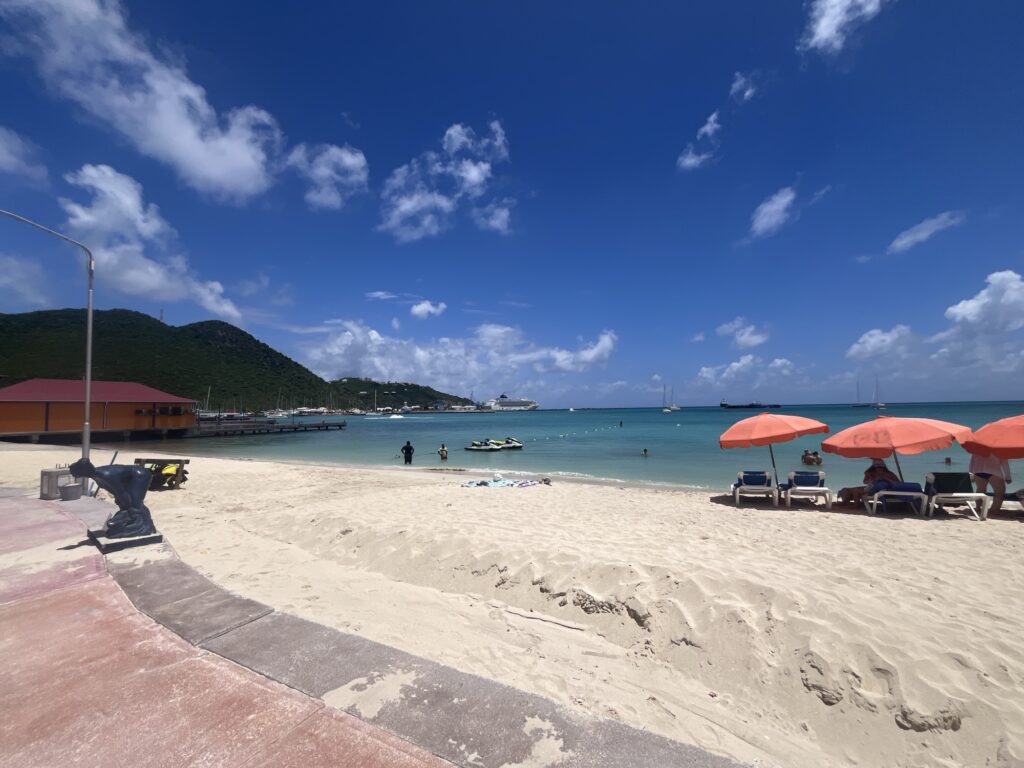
x: 89, y: 266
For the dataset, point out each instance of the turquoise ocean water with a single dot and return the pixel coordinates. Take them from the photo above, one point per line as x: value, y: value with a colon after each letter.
x: 682, y: 446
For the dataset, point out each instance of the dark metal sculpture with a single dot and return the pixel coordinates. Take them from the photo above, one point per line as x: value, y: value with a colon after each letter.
x: 128, y: 485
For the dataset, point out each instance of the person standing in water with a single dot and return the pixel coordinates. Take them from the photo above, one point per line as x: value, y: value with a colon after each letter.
x: 645, y: 453
x: 443, y: 452
x: 407, y: 451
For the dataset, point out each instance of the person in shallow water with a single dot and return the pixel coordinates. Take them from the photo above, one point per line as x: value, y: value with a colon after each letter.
x: 407, y: 451
x: 645, y: 453
x: 443, y: 452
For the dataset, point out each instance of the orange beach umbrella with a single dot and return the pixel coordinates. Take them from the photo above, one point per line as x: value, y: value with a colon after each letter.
x: 768, y: 428
x: 1003, y: 438
x: 889, y: 435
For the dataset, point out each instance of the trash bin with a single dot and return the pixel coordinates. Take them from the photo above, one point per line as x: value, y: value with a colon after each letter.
x: 51, y: 480
x: 70, y: 492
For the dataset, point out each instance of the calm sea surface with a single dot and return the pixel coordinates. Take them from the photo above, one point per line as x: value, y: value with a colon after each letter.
x: 682, y: 446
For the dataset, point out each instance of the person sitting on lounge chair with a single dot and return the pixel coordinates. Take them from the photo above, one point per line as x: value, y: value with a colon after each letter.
x: 992, y: 471
x: 872, y: 475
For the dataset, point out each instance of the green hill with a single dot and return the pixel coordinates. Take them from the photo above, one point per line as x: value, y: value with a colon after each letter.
x: 237, y: 369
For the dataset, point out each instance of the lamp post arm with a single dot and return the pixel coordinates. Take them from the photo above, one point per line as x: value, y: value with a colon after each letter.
x: 90, y: 268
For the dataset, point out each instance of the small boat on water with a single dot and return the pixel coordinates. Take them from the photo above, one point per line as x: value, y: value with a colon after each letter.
x: 483, y: 445
x: 754, y: 404
x: 509, y: 443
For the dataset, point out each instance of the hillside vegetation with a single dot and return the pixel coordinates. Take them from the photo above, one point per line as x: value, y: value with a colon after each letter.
x: 238, y: 370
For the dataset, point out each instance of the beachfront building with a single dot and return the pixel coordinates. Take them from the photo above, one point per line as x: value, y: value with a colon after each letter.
x: 40, y: 408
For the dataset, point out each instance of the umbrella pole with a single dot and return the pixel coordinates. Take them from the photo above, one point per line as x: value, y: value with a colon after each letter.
x: 774, y: 468
x: 899, y: 469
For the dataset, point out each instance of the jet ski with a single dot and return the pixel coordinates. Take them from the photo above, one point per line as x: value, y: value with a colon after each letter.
x: 482, y: 445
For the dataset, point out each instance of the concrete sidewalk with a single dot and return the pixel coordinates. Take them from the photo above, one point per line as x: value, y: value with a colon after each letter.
x: 206, y: 677
x: 90, y: 681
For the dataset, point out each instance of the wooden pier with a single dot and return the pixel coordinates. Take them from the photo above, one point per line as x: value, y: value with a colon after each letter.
x: 232, y: 427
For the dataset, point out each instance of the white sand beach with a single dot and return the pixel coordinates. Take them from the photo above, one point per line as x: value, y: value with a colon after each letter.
x: 783, y: 638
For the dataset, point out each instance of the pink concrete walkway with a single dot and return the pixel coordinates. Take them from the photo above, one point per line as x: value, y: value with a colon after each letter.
x: 89, y: 681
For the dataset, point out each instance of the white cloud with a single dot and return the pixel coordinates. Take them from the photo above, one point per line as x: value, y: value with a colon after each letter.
x: 924, y: 231
x: 335, y: 173
x: 877, y: 342
x: 118, y: 226
x: 494, y: 357
x: 749, y: 372
x: 740, y: 368
x: 381, y: 295
x: 656, y: 377
x: 421, y: 197
x: 496, y: 217
x: 997, y: 308
x: 743, y: 87
x: 18, y: 156
x: 769, y: 217
x: 831, y: 22
x: 86, y: 52
x: 710, y: 128
x: 690, y: 159
x: 984, y: 337
x: 699, y: 336
x: 396, y: 324
x: 745, y: 335
x: 425, y: 309
x: 23, y: 279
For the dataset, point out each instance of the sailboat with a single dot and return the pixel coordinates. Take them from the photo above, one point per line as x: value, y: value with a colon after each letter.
x: 875, y: 402
x: 672, y: 401
x: 664, y: 407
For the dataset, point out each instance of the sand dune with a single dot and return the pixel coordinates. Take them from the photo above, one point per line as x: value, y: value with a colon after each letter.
x: 793, y: 638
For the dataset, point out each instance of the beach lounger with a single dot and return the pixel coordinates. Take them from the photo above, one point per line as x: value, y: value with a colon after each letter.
x: 802, y: 483
x: 955, y: 489
x: 908, y: 493
x: 754, y: 484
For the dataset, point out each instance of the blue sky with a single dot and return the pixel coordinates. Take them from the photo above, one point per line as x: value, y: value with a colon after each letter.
x: 577, y: 204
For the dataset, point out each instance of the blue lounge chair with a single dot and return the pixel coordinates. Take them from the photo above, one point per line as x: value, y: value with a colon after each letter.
x: 802, y: 483
x: 754, y: 484
x: 882, y: 492
x: 955, y: 489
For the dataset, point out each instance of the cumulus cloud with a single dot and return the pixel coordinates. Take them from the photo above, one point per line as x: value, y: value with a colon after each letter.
x: 421, y: 197
x: 743, y: 88
x: 984, y: 335
x: 997, y: 308
x: 496, y: 217
x: 425, y: 309
x: 86, y: 52
x: 490, y: 358
x: 23, y: 279
x: 748, y: 372
x: 18, y: 157
x: 334, y: 173
x: 773, y: 212
x: 690, y: 159
x: 745, y: 335
x: 877, y: 342
x: 699, y: 336
x: 924, y: 231
x: 832, y: 21
x: 119, y: 226
x: 710, y: 128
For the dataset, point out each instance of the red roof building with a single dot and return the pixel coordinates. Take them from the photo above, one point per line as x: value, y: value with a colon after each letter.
x: 40, y: 406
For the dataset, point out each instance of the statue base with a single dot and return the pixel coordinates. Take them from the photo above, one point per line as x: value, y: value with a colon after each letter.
x: 106, y: 545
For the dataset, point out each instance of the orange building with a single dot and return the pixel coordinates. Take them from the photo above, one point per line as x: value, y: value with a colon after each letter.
x: 57, y: 406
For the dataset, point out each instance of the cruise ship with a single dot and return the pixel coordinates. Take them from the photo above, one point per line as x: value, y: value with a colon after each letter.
x: 506, y: 403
